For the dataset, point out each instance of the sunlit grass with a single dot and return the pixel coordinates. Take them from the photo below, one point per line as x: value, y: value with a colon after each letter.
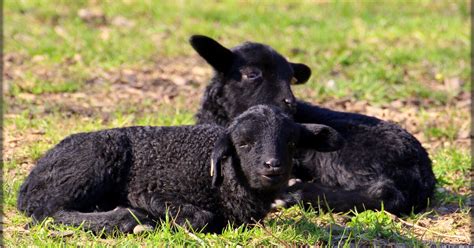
x: 365, y: 51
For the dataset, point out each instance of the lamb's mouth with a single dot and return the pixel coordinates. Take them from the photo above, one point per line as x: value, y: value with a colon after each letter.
x: 273, y: 177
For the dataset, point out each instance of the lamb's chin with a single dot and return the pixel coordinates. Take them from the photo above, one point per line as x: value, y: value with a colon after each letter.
x: 272, y: 182
x: 272, y: 179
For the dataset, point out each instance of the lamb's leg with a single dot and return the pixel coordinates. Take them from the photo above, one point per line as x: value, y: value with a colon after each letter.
x: 188, y: 215
x: 341, y: 200
x: 191, y: 216
x: 183, y: 213
x: 120, y: 219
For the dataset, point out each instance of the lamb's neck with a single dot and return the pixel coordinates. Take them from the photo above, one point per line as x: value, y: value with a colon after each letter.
x: 211, y: 116
x: 212, y: 111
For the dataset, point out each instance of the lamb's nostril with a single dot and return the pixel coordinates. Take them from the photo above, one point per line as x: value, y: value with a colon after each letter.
x: 273, y: 163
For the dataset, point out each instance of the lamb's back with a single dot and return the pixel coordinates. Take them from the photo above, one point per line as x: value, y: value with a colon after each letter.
x: 172, y: 163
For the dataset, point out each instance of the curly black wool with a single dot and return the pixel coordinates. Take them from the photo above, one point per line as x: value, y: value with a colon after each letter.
x: 99, y: 178
x: 381, y: 162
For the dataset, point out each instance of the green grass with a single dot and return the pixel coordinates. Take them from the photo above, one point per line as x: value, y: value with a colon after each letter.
x: 451, y: 168
x: 368, y: 47
x: 293, y: 227
x: 364, y: 52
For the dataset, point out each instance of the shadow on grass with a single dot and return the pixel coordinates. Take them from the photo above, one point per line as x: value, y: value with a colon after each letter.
x: 448, y: 202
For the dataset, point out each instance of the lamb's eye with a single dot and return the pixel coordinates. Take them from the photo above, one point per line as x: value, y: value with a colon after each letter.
x: 252, y: 74
x: 244, y: 146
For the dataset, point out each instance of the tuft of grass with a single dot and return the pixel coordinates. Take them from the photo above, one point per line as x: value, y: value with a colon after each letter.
x: 451, y: 167
x: 372, y: 225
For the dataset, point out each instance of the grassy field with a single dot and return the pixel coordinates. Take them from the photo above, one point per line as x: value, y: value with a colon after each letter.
x: 74, y: 66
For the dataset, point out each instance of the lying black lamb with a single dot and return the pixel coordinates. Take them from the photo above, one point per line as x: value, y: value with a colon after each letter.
x: 205, y: 175
x: 381, y: 162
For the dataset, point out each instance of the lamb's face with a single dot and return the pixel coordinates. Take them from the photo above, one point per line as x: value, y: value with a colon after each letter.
x: 259, y: 75
x: 264, y: 140
x: 251, y: 74
x: 261, y: 141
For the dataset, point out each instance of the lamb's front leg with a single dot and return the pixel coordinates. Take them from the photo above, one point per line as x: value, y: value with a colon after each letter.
x: 185, y: 214
x: 340, y: 200
x: 120, y: 219
x: 188, y: 215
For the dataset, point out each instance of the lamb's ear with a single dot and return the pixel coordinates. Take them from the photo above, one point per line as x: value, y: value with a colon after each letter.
x: 301, y: 73
x: 219, y: 57
x: 320, y: 137
x: 222, y: 150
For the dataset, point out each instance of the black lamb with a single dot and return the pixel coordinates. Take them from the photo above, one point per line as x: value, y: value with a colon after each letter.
x: 380, y: 162
x: 204, y: 176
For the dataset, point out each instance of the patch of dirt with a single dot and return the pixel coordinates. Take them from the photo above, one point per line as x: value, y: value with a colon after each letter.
x: 453, y: 228
x: 146, y: 89
x: 11, y: 150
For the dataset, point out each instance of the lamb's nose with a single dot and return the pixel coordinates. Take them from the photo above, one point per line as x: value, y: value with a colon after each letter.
x: 273, y: 163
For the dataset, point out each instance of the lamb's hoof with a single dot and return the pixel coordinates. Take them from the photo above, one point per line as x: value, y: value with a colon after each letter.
x: 138, y: 229
x: 278, y: 203
x: 293, y: 181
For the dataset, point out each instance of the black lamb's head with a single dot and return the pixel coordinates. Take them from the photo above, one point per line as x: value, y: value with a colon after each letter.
x: 260, y: 144
x: 248, y: 75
